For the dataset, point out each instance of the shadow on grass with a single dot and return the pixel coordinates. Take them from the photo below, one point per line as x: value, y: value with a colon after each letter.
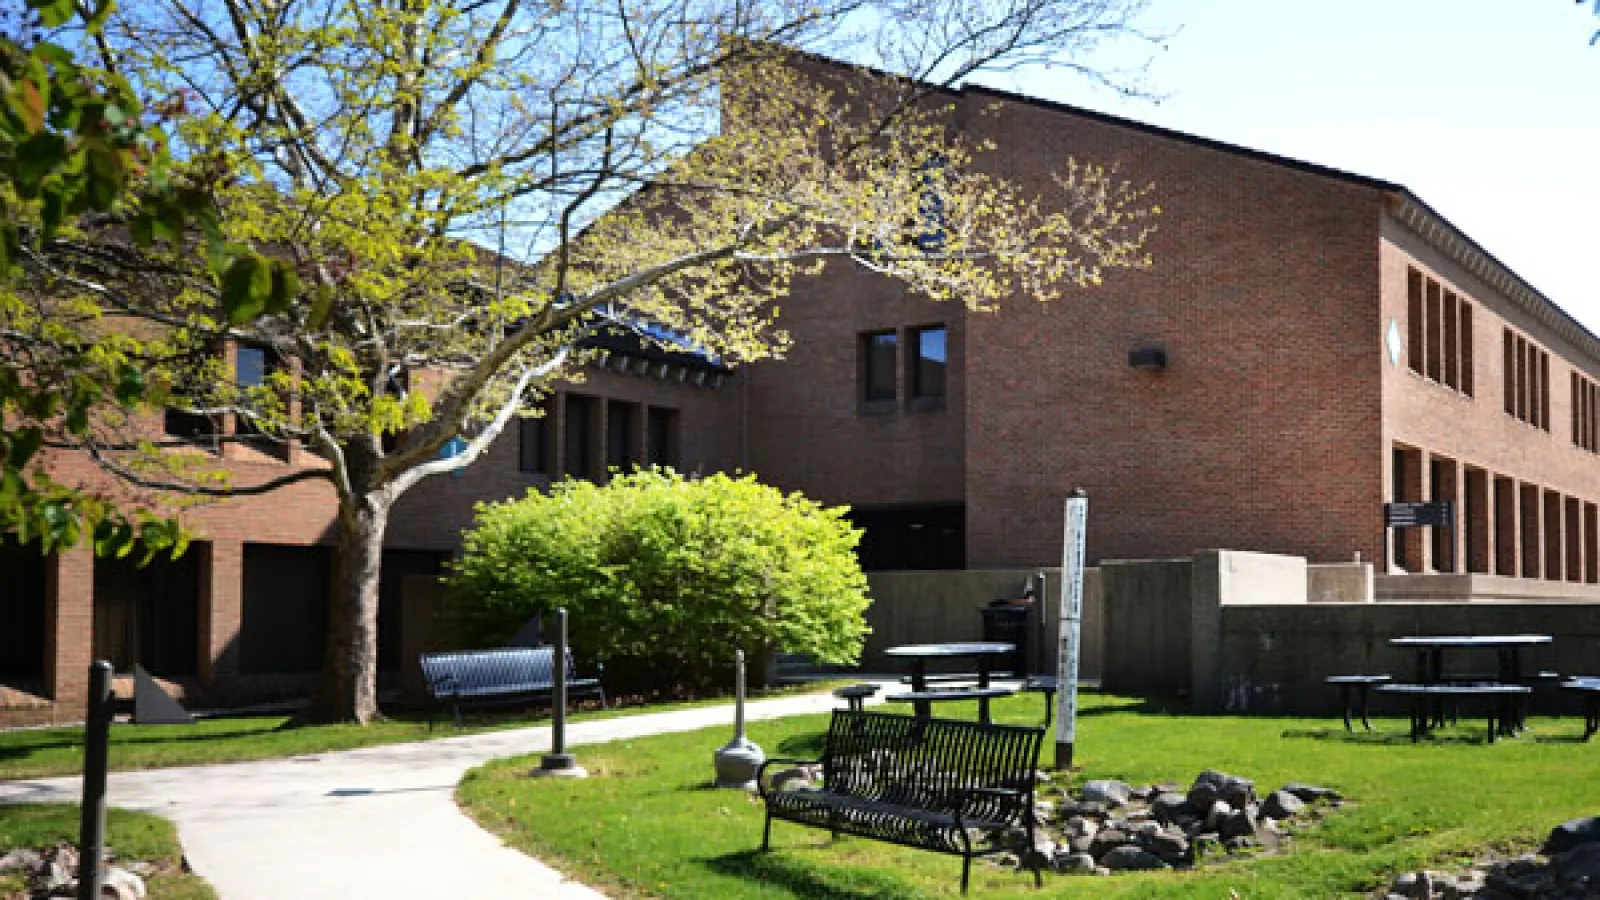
x: 803, y: 746
x: 806, y: 881
x: 1339, y: 735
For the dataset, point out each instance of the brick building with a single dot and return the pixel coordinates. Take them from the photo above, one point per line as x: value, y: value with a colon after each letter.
x: 1308, y: 345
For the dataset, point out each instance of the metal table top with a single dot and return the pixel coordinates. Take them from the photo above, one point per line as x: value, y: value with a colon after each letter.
x: 937, y: 651
x: 1476, y: 640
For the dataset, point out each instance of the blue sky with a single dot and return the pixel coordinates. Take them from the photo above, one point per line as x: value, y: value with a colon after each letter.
x: 1487, y: 109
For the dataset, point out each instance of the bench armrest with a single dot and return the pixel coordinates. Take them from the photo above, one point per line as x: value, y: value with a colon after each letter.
x: 761, y: 772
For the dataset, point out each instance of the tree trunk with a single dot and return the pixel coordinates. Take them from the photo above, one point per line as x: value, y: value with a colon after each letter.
x: 347, y: 687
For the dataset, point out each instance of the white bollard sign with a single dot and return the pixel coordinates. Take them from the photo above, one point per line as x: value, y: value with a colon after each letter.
x: 1071, y: 626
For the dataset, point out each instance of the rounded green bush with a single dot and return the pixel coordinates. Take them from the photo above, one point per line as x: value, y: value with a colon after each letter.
x: 664, y: 576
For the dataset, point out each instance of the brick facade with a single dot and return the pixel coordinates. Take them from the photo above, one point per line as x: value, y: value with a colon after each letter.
x: 1280, y: 420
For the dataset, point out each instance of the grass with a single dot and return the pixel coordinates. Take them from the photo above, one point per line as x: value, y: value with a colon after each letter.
x: 648, y: 825
x: 131, y: 835
x: 45, y: 752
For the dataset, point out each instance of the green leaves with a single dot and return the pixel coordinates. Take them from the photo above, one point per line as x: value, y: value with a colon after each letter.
x: 253, y: 285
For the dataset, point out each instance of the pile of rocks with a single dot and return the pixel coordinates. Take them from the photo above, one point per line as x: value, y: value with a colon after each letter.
x: 54, y: 873
x: 1110, y: 826
x: 1567, y: 867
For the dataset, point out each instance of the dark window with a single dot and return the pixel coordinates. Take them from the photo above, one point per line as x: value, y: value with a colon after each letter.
x: 929, y: 537
x: 878, y: 351
x: 1527, y: 380
x: 533, y: 447
x: 620, y: 431
x: 283, y: 622
x: 252, y: 367
x: 23, y: 610
x: 149, y: 615
x: 661, y: 448
x: 398, y: 566
x: 929, y: 362
x: 1415, y: 355
x: 578, y: 437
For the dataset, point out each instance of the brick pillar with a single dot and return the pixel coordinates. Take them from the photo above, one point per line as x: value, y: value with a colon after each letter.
x: 221, y: 610
x: 69, y: 611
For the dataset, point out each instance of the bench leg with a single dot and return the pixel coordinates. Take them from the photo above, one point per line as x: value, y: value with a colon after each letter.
x: 1344, y: 699
x: 966, y: 873
x: 766, y: 832
x: 1049, y: 707
x: 983, y: 711
x: 1361, y: 697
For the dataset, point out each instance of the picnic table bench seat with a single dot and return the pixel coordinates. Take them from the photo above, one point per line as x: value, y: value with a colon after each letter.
x: 932, y: 784
x: 1504, y: 710
x: 922, y: 701
x: 499, y: 676
x: 1587, y: 687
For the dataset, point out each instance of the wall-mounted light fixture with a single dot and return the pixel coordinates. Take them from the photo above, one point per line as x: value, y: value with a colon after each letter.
x: 1149, y: 358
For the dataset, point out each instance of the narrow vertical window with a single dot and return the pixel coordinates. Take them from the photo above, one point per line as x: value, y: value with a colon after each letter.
x: 1466, y: 348
x: 1452, y: 342
x: 878, y: 358
x: 1415, y: 355
x: 577, y: 439
x: 661, y: 437
x: 1435, y: 331
x: 1510, y: 368
x: 620, y: 432
x: 1544, y: 390
x: 533, y: 449
x: 929, y: 362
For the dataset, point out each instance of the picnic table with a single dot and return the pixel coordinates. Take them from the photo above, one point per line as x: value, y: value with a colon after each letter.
x: 1436, y: 689
x: 922, y: 696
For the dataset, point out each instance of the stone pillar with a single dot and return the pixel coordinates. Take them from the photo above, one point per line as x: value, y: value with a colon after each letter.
x: 221, y: 611
x: 69, y: 605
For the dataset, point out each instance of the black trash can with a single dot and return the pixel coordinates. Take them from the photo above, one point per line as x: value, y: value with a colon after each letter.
x: 1006, y: 622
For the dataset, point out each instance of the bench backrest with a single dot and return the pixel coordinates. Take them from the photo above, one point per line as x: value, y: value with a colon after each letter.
x: 928, y: 763
x: 472, y: 671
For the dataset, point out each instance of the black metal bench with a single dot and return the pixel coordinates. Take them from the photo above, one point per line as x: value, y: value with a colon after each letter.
x: 1589, y: 689
x: 501, y: 676
x: 919, y: 782
x: 1504, y: 708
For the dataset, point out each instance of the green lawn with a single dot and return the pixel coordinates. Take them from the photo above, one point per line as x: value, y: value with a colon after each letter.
x: 43, y: 752
x: 131, y: 835
x: 648, y: 825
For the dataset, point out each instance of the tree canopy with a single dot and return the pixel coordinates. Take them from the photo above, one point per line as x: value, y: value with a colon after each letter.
x: 451, y: 195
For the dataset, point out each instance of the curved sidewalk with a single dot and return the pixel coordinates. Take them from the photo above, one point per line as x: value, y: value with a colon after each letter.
x: 378, y: 823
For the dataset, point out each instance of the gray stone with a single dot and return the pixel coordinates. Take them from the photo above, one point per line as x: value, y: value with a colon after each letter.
x: 1581, y: 863
x: 1075, y: 863
x: 1217, y: 813
x: 1082, y: 826
x: 1131, y: 859
x: 1083, y: 808
x: 1168, y: 808
x: 1106, y: 840
x: 1167, y: 845
x: 1239, y: 823
x: 22, y: 858
x: 1310, y: 793
x: 1081, y: 844
x: 1282, y: 805
x: 1206, y: 789
x: 1570, y: 834
x: 1107, y: 790
x: 120, y: 884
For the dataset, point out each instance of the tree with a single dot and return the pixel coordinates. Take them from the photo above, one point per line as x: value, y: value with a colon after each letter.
x: 71, y: 138
x: 466, y: 190
x: 663, y: 575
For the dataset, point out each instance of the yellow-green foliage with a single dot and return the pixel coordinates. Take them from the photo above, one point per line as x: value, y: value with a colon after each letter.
x: 666, y: 575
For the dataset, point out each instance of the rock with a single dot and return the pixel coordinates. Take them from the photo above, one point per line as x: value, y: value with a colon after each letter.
x: 1080, y: 844
x: 1268, y: 834
x: 1282, y: 805
x: 1570, y: 834
x: 1238, y: 843
x: 1168, y: 845
x: 1239, y: 823
x: 1206, y: 789
x: 1310, y: 793
x: 1238, y: 792
x: 1108, y: 791
x: 1144, y: 830
x: 1216, y: 813
x: 1106, y: 840
x: 1168, y: 808
x: 23, y: 859
x: 1422, y: 887
x: 1131, y: 859
x: 791, y: 779
x: 1403, y: 884
x: 1082, y: 826
x: 1083, y: 808
x: 1040, y: 776
x: 1580, y: 864
x: 1075, y: 863
x: 120, y: 884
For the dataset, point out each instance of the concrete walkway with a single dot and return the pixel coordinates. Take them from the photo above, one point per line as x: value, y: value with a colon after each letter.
x: 379, y: 823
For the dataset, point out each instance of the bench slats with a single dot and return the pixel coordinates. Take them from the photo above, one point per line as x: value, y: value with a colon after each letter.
x: 499, y: 674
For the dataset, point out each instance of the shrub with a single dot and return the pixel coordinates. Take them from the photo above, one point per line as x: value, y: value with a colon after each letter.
x: 664, y: 576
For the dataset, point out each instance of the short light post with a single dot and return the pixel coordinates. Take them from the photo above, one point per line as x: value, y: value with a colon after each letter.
x: 739, y: 761
x: 558, y: 763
